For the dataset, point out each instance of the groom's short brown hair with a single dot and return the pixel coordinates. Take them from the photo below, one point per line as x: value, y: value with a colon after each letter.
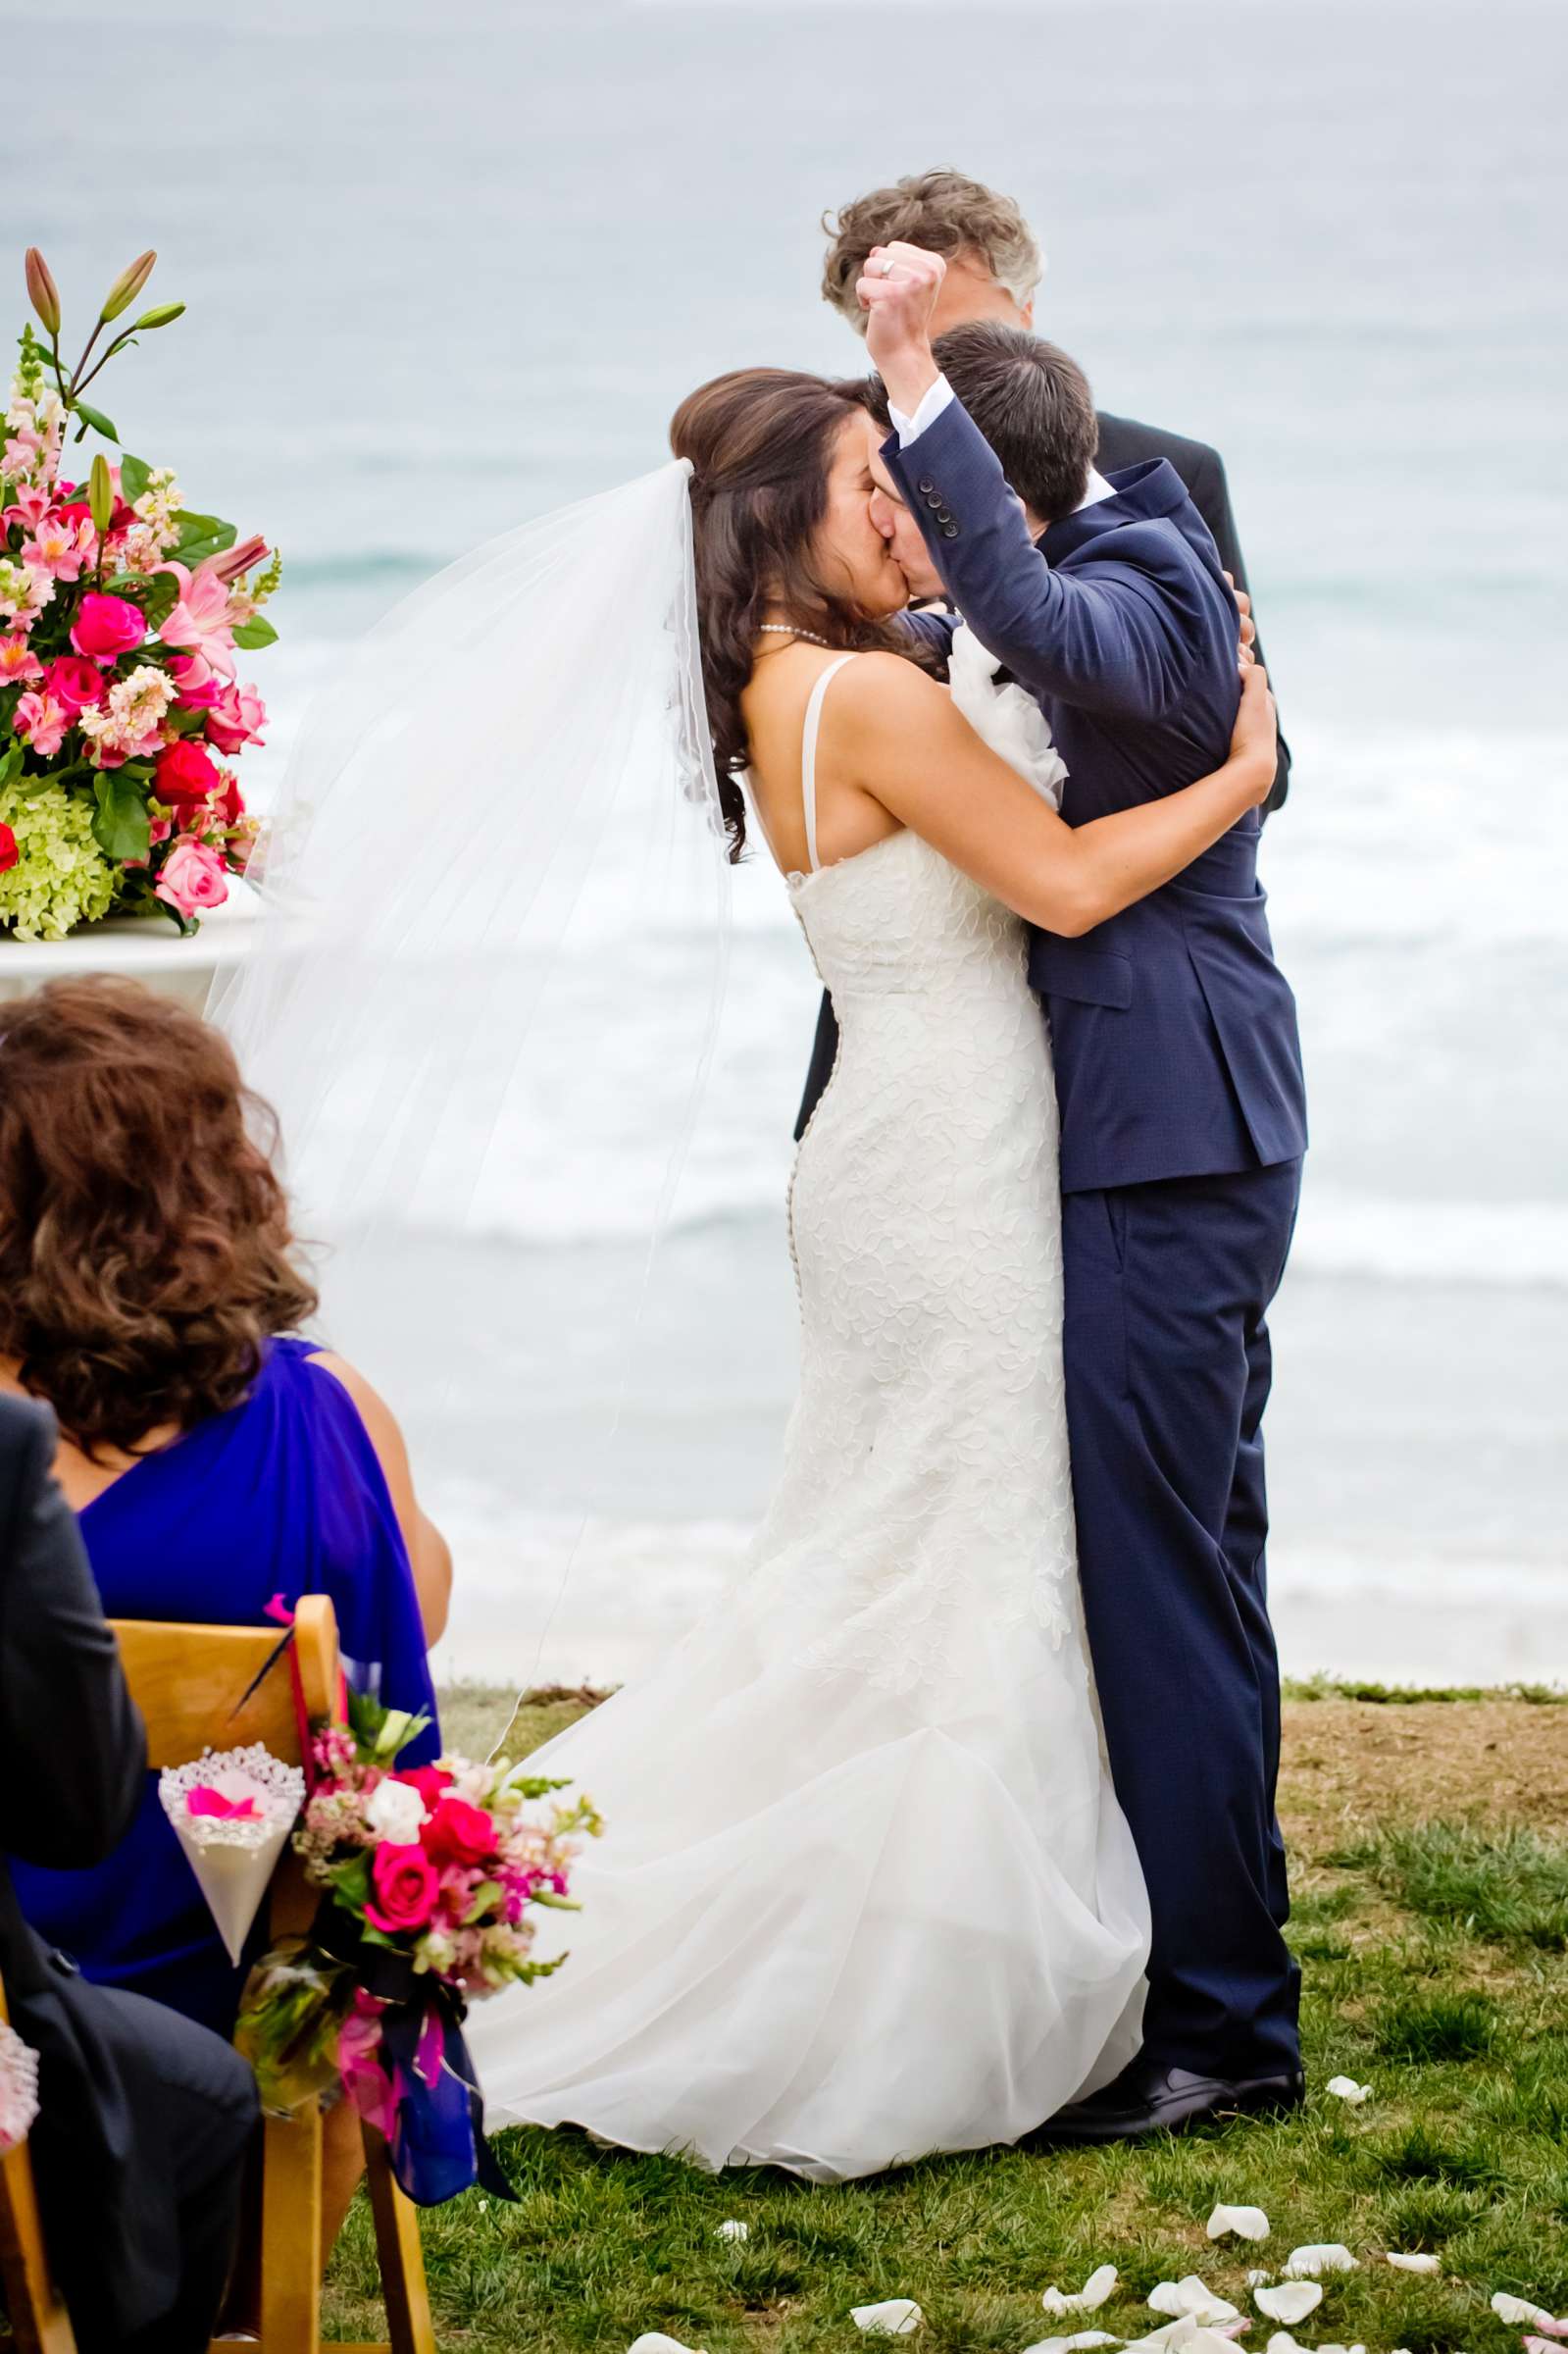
x: 1034, y: 406
x: 946, y: 214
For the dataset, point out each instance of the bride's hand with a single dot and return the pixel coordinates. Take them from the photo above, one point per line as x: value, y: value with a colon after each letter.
x: 1254, y: 738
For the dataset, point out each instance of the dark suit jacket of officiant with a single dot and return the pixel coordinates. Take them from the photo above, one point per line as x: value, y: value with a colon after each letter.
x: 72, y: 1760
x: 1124, y: 441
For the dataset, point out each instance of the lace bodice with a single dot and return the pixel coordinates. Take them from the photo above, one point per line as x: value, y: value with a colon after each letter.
x: 926, y: 1492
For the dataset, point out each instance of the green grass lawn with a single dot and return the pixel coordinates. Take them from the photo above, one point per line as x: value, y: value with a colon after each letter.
x: 1430, y: 1869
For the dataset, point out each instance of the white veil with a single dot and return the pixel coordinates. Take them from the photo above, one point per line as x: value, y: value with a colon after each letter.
x: 495, y: 914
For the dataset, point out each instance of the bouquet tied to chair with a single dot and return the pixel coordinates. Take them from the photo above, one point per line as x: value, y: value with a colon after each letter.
x: 430, y: 1875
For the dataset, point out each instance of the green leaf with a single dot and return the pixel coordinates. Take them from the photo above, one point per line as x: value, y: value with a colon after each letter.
x: 252, y: 633
x: 10, y: 764
x: 121, y: 825
x: 135, y: 476
x: 96, y: 419
x: 191, y: 552
x: 202, y: 527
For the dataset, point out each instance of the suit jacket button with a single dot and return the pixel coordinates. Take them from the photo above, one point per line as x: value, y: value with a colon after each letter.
x: 924, y: 487
x: 942, y: 515
x: 935, y: 500
x: 949, y: 530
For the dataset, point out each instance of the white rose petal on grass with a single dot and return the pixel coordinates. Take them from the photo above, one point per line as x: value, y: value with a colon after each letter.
x: 731, y: 2229
x: 1319, y: 2256
x: 1090, y: 2298
x: 1193, y: 2298
x: 1281, y: 2342
x: 1290, y: 2302
x: 1247, y: 2222
x: 895, y: 2317
x: 1073, y: 2345
x: 1520, y: 2314
x: 1258, y: 2279
x: 1345, y: 2088
x: 654, y: 2341
x: 1413, y: 2264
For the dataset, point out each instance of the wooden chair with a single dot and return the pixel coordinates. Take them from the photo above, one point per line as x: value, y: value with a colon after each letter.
x: 186, y: 1681
x: 39, y: 2322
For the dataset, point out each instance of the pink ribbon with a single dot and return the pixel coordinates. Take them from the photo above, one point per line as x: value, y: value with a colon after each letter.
x: 365, y: 2081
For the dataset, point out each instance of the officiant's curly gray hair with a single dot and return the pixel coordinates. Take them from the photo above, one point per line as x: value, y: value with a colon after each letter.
x: 946, y: 213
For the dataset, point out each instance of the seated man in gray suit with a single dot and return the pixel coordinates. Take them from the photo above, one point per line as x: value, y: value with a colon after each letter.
x: 144, y: 2117
x: 994, y: 267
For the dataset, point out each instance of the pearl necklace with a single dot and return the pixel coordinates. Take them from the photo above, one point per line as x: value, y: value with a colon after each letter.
x: 786, y: 629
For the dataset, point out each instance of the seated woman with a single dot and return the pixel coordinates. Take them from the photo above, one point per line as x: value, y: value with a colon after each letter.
x: 217, y: 1461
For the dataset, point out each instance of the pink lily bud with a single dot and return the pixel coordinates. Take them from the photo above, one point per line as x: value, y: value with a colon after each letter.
x: 236, y: 561
x: 128, y: 285
x: 43, y: 292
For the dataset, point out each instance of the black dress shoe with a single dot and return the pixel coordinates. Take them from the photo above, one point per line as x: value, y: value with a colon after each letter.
x: 1153, y: 2097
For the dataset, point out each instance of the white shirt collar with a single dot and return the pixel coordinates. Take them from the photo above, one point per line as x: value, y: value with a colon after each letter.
x: 1098, y: 488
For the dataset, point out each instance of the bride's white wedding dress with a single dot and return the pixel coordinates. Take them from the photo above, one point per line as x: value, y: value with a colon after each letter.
x: 864, y: 1890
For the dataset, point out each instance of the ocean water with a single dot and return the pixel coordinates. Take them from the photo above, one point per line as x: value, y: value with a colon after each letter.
x: 446, y: 271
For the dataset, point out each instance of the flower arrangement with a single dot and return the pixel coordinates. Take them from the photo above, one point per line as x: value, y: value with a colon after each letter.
x: 121, y: 612
x: 429, y: 1874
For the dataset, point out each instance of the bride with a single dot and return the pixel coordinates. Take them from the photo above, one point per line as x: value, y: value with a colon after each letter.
x: 866, y: 1892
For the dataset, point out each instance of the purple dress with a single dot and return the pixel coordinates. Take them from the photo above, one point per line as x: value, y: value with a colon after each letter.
x: 283, y: 1494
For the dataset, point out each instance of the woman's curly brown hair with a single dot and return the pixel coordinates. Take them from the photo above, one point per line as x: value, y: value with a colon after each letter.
x: 145, y: 1250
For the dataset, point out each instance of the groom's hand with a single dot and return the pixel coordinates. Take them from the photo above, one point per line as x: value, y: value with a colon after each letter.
x: 1249, y: 627
x: 897, y: 291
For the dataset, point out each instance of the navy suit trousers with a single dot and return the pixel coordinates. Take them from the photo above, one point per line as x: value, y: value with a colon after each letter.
x: 1168, y: 1370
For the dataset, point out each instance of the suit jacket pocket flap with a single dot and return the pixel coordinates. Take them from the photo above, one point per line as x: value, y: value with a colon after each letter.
x: 1066, y: 968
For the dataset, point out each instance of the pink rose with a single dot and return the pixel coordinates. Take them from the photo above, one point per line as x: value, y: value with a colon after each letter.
x: 74, y: 682
x: 235, y: 718
x: 186, y: 775
x: 406, y: 1887
x: 458, y: 1833
x: 198, y: 683
x: 107, y: 626
x: 9, y: 852
x: 192, y: 877
x: 429, y: 1780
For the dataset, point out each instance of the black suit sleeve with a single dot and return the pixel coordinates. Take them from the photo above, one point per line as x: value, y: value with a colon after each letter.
x: 1210, y: 493
x: 824, y: 1052
x: 73, y: 1751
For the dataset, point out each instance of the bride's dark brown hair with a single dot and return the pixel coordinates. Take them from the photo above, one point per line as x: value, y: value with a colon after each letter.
x: 760, y: 443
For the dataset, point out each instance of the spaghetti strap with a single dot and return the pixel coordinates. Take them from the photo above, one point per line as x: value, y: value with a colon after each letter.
x: 808, y: 753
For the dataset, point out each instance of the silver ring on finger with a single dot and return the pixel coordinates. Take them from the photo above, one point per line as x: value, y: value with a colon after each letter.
x: 886, y: 266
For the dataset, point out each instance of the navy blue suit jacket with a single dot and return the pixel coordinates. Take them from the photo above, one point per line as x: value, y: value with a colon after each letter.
x: 1174, y: 1030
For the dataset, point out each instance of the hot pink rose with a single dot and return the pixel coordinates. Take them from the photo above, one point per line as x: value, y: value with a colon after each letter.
x: 107, y: 626
x: 429, y: 1780
x: 74, y: 682
x: 9, y: 852
x: 406, y: 1885
x: 186, y: 775
x: 458, y: 1833
x: 235, y: 718
x: 192, y: 877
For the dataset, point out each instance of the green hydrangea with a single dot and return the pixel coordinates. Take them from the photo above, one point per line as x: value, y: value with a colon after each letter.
x: 61, y: 878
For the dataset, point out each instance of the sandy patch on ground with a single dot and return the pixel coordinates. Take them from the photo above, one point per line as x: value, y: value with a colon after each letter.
x: 1347, y: 1763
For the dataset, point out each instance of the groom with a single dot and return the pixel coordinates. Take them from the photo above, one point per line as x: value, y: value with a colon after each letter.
x: 1179, y: 1076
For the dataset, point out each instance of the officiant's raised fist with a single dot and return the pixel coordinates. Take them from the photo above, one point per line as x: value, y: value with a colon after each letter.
x: 897, y: 291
